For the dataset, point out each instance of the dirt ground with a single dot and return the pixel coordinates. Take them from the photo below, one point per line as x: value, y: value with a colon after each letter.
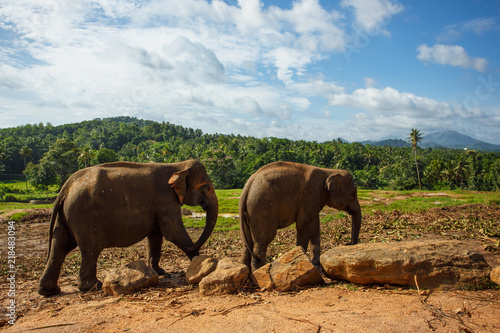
x: 175, y: 306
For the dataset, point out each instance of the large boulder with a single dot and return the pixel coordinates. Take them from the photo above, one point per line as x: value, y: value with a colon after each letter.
x: 228, y: 277
x: 291, y: 271
x: 495, y: 275
x: 200, y: 267
x: 437, y: 264
x: 126, y: 279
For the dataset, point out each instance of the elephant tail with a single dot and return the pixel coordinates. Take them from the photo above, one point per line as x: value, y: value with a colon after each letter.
x: 246, y: 232
x: 58, y: 204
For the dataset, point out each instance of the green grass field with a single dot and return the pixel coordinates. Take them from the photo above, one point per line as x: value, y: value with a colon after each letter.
x: 417, y: 201
x: 16, y: 191
x: 371, y: 201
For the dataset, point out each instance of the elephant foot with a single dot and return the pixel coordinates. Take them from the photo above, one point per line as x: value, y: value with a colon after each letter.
x: 246, y: 260
x: 256, y: 264
x: 49, y: 291
x: 88, y: 286
x: 160, y: 271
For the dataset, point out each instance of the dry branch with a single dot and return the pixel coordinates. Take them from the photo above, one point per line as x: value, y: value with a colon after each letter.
x: 440, y: 314
x: 225, y: 312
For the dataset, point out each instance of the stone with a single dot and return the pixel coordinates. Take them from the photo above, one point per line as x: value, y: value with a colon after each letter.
x: 200, y: 267
x: 41, y: 202
x: 437, y: 264
x: 228, y: 277
x: 495, y: 275
x: 289, y: 272
x: 126, y: 279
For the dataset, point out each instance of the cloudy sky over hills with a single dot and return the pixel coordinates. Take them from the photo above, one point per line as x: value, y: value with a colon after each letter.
x: 307, y: 69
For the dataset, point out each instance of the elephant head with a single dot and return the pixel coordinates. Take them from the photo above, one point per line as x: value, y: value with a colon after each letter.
x: 343, y: 195
x: 193, y: 187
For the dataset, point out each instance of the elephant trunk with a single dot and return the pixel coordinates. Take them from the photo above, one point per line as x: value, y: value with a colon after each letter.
x: 356, y: 223
x: 212, y: 211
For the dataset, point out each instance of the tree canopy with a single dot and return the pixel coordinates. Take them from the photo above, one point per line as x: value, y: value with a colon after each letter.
x: 49, y: 154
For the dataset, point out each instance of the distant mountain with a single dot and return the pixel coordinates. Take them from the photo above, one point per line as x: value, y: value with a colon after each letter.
x: 343, y: 140
x: 448, y: 139
x: 452, y: 139
x: 388, y: 142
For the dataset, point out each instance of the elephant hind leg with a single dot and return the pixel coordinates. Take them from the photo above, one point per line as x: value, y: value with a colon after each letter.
x: 154, y: 252
x: 246, y: 257
x: 246, y: 235
x: 62, y: 243
x: 257, y: 237
x: 260, y: 249
x: 259, y: 254
x: 88, y: 270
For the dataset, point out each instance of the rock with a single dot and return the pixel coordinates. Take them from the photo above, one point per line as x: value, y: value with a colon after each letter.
x: 229, y: 276
x: 128, y: 278
x: 495, y: 275
x: 437, y: 264
x: 290, y: 271
x: 200, y: 267
x: 41, y: 202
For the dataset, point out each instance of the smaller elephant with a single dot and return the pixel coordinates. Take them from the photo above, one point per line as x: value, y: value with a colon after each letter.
x: 119, y: 204
x: 282, y: 193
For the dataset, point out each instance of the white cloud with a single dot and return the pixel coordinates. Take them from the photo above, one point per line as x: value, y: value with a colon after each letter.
x: 370, y: 82
x: 250, y: 17
x: 249, y: 105
x: 288, y: 62
x: 389, y: 101
x: 453, y: 55
x: 372, y: 15
x: 389, y: 111
x: 241, y: 68
x: 315, y: 26
x: 477, y: 26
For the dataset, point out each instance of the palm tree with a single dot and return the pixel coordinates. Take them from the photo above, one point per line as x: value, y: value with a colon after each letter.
x: 25, y: 152
x: 86, y: 155
x: 415, y: 138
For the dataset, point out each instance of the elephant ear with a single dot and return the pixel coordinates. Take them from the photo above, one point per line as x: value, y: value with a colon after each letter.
x: 334, y: 184
x: 178, y: 183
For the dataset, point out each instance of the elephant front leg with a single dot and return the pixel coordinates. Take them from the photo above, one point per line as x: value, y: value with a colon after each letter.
x: 315, y: 248
x: 61, y: 245
x: 88, y: 270
x: 154, y: 252
x: 308, y: 234
x: 173, y: 230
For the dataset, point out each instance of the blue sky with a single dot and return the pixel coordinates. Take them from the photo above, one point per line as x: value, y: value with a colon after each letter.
x: 306, y: 69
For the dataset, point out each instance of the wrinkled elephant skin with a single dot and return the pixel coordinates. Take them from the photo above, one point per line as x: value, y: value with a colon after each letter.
x: 282, y: 193
x: 119, y: 204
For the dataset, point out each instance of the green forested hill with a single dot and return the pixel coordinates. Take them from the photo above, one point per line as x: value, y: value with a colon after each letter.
x: 49, y: 154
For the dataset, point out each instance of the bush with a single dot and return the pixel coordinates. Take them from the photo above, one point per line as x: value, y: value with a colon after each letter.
x: 9, y: 197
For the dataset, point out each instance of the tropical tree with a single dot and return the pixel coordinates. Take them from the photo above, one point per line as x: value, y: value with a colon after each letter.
x: 105, y: 155
x: 41, y: 175
x: 415, y: 138
x: 220, y: 168
x: 62, y: 159
x: 25, y: 152
x: 85, y: 156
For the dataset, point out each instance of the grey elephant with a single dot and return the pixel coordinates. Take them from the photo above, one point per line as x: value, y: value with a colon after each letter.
x: 282, y: 193
x: 119, y: 204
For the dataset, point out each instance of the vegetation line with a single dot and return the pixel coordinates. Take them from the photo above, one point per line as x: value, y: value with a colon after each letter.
x: 48, y: 154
